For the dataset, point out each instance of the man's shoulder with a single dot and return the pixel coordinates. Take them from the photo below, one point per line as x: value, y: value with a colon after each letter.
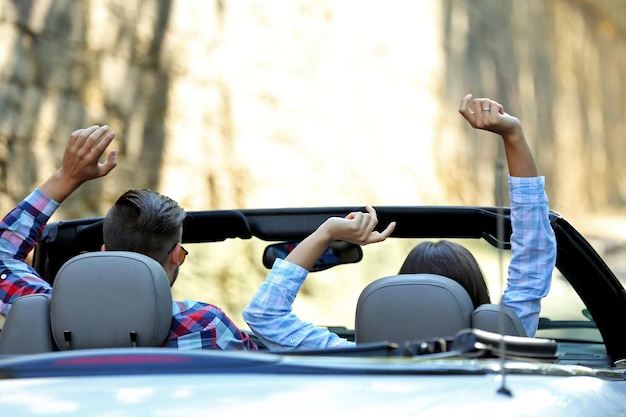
x: 187, y: 307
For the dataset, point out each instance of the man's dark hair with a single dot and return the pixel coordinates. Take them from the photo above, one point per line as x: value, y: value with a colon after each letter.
x: 450, y: 260
x: 143, y: 221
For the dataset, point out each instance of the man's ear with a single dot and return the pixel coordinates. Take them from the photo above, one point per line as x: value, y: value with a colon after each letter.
x: 174, y: 254
x: 103, y: 248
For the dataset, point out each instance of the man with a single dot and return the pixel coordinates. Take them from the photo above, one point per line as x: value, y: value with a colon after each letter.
x: 141, y: 221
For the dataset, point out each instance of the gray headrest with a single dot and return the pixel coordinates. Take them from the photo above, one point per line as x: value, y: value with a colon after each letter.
x: 411, y: 307
x: 102, y: 297
x: 493, y: 317
x: 27, y: 326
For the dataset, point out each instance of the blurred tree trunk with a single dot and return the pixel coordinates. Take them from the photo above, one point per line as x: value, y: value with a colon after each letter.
x: 558, y: 66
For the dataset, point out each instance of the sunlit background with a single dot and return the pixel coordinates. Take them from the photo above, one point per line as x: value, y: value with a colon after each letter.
x: 248, y: 104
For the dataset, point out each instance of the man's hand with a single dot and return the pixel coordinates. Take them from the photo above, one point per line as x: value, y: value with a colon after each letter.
x: 81, y: 162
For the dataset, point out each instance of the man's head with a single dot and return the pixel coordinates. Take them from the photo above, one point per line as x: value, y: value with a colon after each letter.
x: 146, y: 222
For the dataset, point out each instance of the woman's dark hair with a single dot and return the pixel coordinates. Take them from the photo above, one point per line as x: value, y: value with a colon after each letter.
x: 450, y: 260
x: 143, y: 221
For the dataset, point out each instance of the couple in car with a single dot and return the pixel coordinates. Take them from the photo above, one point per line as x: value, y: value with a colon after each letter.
x: 199, y: 325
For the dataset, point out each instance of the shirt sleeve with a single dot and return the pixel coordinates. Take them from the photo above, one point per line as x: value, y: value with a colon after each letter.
x: 533, y: 247
x: 20, y: 231
x: 197, y: 325
x: 269, y: 313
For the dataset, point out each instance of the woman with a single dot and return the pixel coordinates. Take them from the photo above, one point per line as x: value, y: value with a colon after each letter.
x: 533, y: 244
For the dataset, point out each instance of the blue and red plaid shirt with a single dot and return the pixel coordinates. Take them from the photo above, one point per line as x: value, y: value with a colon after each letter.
x: 195, y: 325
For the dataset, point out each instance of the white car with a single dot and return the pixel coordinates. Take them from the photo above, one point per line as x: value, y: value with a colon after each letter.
x: 576, y: 366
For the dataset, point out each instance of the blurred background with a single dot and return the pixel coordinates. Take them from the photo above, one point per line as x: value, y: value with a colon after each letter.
x: 249, y: 104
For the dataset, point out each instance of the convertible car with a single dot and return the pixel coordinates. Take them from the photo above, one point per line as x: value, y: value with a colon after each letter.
x: 575, y: 366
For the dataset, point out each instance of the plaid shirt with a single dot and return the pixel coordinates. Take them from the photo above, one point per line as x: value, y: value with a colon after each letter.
x: 198, y: 325
x: 195, y: 325
x: 533, y: 245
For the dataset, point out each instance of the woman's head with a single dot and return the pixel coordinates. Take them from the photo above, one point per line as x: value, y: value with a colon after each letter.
x: 450, y: 260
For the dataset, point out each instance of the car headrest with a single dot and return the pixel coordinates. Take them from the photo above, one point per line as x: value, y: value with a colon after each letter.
x: 495, y: 317
x: 110, y: 299
x: 27, y: 326
x: 406, y: 307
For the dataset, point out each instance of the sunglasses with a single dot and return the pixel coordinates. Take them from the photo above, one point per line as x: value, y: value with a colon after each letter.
x: 181, y: 255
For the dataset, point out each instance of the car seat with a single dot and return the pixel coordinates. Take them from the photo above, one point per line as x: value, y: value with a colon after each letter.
x: 99, y: 300
x: 27, y: 326
x: 487, y: 317
x: 408, y: 307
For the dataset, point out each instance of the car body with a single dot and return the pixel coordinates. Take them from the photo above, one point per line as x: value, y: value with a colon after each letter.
x: 576, y: 365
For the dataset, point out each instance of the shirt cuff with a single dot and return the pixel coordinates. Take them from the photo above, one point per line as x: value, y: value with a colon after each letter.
x: 42, y: 202
x: 287, y: 275
x: 527, y: 190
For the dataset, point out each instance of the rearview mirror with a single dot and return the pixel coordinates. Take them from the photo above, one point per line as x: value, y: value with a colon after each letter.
x: 338, y: 253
